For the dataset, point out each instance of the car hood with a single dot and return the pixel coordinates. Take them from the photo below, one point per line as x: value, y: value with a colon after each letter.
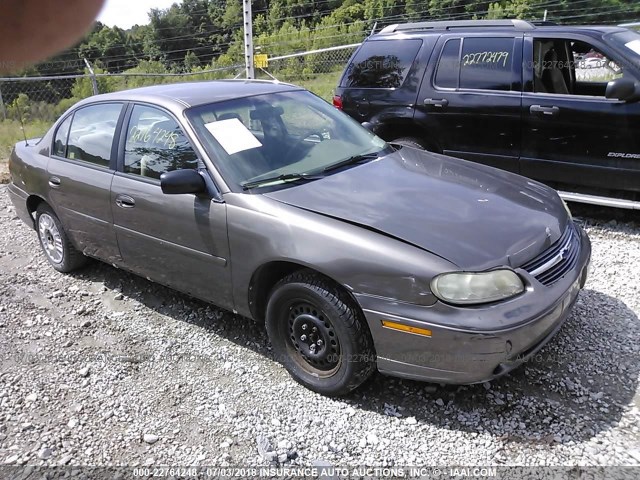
x: 474, y: 216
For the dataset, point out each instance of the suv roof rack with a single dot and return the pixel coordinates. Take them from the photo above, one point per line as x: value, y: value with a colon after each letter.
x: 447, y: 25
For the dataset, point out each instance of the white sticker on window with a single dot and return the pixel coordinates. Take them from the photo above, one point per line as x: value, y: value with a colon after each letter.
x: 233, y: 135
x: 633, y: 45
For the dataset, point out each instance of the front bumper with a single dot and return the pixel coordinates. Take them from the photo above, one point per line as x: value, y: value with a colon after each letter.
x: 473, y: 344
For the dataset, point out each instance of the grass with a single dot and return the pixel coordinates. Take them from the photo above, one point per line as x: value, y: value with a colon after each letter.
x: 322, y: 85
x: 10, y: 133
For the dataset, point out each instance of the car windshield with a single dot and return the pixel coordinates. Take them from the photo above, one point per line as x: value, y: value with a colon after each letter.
x: 630, y: 40
x: 274, y: 138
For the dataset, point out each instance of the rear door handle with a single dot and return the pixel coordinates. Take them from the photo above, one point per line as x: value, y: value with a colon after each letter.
x: 440, y: 103
x: 54, y: 182
x: 544, y: 110
x: 125, y: 201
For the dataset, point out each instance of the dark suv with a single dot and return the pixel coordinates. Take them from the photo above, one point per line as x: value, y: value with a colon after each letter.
x: 555, y: 103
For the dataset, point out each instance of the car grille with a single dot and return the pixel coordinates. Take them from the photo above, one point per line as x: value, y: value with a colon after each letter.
x: 555, y: 262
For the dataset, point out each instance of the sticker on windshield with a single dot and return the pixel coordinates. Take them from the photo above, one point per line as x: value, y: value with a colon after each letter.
x: 633, y: 45
x: 233, y: 135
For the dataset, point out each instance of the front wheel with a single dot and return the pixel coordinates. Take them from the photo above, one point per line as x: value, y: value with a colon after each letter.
x: 60, y: 253
x: 319, y: 334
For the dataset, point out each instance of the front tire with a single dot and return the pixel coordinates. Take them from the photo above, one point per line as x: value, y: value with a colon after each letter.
x: 319, y: 334
x: 57, y: 248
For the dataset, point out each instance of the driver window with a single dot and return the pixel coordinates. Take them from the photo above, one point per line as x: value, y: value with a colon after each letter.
x: 571, y: 67
x: 156, y: 144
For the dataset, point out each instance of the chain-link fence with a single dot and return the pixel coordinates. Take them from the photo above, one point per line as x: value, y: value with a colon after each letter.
x: 34, y: 103
x: 316, y: 70
x: 45, y: 98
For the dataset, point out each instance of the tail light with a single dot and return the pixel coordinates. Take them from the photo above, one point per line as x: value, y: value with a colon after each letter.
x: 337, y: 102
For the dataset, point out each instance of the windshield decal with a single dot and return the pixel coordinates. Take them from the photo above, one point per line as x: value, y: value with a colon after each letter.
x: 233, y: 135
x: 633, y: 45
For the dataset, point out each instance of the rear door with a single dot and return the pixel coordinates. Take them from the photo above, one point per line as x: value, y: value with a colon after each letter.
x: 177, y: 240
x: 81, y: 167
x: 470, y: 99
x: 571, y: 133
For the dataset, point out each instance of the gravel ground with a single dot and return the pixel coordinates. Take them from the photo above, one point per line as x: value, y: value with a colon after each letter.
x: 102, y: 367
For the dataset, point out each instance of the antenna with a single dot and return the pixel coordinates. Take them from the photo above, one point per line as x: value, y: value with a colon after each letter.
x: 24, y: 134
x: 373, y: 30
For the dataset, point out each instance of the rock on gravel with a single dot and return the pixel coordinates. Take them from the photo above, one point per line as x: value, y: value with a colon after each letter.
x: 98, y: 366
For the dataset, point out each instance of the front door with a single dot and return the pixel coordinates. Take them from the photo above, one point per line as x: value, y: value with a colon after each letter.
x: 80, y: 170
x: 470, y: 99
x: 177, y: 240
x: 571, y: 133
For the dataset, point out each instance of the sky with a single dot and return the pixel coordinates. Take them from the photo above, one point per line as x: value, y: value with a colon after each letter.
x: 127, y: 13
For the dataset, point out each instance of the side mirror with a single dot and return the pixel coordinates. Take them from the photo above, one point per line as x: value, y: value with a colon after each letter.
x: 182, y: 181
x: 368, y: 126
x: 623, y: 89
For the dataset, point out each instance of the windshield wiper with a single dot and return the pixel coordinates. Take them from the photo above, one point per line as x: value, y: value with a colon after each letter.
x: 283, y: 178
x: 352, y: 160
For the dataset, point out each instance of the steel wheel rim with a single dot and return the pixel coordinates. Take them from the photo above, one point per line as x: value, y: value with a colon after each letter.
x: 312, y: 340
x: 50, y: 238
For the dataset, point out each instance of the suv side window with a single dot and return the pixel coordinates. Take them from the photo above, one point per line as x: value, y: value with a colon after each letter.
x: 487, y: 63
x: 91, y: 133
x: 449, y: 65
x: 381, y: 64
x: 571, y: 67
x: 155, y: 144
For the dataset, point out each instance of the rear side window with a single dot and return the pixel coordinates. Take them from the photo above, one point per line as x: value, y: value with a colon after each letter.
x: 487, y: 63
x: 381, y: 64
x: 60, y: 141
x: 449, y: 65
x: 91, y: 134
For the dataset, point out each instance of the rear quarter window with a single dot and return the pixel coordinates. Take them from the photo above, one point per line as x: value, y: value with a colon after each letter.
x: 381, y: 64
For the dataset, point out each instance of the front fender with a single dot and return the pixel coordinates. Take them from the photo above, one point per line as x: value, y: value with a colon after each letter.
x: 365, y: 262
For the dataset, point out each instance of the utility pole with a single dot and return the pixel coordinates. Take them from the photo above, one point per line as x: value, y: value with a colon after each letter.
x: 248, y: 38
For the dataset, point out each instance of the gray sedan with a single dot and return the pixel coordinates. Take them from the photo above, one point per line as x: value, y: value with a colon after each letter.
x: 263, y: 199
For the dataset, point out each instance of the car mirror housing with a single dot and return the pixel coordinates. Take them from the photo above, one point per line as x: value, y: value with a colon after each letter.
x: 623, y: 89
x: 182, y: 181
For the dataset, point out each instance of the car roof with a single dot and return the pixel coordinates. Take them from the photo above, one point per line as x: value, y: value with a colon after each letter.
x: 179, y: 96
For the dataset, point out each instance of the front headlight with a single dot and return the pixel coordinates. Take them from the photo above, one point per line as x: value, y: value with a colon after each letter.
x: 469, y: 288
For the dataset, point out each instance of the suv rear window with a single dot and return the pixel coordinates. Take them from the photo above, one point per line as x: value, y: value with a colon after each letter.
x: 381, y: 64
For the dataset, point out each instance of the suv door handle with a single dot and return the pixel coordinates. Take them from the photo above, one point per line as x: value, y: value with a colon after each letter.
x: 125, y: 201
x: 443, y: 102
x: 54, y: 182
x: 544, y: 110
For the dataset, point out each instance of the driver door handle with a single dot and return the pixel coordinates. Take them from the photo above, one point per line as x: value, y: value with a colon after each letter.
x: 440, y: 103
x: 544, y: 110
x: 125, y: 201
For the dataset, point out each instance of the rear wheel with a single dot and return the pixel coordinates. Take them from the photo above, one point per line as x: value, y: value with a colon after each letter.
x: 57, y: 248
x: 319, y: 334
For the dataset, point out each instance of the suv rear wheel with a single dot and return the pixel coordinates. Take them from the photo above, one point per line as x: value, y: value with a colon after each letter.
x: 409, y: 142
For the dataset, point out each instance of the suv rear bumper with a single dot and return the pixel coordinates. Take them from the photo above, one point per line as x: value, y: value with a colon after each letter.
x: 462, y: 356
